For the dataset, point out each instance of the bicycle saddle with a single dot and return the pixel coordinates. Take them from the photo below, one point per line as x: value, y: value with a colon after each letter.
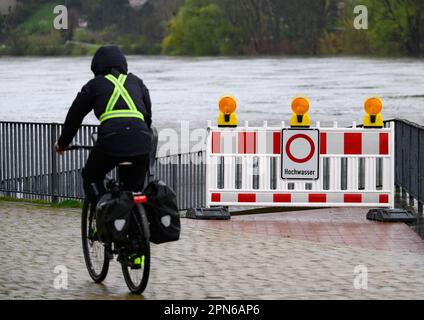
x: 127, y: 163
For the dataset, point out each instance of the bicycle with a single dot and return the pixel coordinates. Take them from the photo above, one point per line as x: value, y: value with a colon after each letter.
x: 97, y: 254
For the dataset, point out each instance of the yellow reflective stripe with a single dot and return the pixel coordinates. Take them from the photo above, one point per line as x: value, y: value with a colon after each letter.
x: 121, y: 114
x: 117, y: 92
x: 124, y: 93
x: 113, y: 100
x: 114, y: 97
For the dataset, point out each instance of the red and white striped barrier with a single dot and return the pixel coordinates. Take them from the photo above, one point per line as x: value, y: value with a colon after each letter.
x: 269, y: 142
x: 305, y: 198
x: 356, y: 168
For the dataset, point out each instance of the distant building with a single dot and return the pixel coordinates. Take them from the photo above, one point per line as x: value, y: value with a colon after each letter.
x: 7, y: 6
x: 137, y: 3
x: 82, y: 22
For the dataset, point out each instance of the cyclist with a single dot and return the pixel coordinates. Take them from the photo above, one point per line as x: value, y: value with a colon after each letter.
x: 121, y: 102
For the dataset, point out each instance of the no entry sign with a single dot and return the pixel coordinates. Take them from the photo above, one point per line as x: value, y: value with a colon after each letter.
x: 300, y: 154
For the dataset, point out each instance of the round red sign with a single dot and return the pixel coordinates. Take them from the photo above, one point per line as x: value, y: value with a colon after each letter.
x: 300, y: 160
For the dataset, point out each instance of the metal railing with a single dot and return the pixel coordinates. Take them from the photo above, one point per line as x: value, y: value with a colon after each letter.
x: 30, y: 169
x: 186, y: 175
x: 409, y: 159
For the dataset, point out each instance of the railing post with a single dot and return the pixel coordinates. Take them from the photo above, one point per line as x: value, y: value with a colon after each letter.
x: 54, y: 173
x: 419, y: 160
x: 392, y: 163
x: 420, y: 208
x: 411, y: 201
x: 175, y: 167
x: 403, y: 194
x: 207, y: 164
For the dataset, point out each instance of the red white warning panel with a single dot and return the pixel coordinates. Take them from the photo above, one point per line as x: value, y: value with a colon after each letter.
x: 300, y: 154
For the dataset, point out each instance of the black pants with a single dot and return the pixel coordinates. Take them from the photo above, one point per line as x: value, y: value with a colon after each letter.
x: 99, y: 164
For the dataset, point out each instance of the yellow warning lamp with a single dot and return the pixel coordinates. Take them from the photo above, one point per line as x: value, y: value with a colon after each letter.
x: 300, y: 108
x: 373, y: 118
x: 227, y: 116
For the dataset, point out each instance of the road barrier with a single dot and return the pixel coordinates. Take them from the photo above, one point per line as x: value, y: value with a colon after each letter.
x: 348, y: 166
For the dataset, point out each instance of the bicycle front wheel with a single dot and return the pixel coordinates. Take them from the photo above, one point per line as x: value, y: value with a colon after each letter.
x: 136, y: 265
x: 95, y: 253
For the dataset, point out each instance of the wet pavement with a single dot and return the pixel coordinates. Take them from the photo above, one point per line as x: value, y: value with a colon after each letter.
x: 315, y: 254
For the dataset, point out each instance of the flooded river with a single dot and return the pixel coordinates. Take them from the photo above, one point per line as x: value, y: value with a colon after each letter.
x: 42, y: 89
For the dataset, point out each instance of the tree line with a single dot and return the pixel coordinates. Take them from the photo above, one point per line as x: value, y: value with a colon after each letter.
x: 219, y: 27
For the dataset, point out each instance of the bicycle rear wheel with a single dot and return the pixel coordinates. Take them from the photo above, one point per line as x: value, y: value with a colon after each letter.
x: 137, y: 276
x: 95, y: 253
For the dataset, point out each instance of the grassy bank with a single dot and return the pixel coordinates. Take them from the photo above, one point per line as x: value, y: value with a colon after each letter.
x: 62, y: 204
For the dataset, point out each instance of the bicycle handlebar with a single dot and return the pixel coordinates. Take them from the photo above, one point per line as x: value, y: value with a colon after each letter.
x: 78, y: 147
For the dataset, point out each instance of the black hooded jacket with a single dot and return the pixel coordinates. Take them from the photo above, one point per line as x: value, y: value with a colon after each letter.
x: 120, y: 136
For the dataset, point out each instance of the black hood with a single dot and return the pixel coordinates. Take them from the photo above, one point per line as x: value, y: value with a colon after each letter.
x: 107, y: 58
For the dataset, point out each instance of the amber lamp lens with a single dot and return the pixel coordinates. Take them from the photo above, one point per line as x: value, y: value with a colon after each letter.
x: 373, y: 106
x: 227, y: 105
x: 300, y: 105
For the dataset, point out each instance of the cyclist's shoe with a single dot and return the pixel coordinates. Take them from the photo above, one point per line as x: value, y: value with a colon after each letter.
x: 93, y: 234
x: 136, y: 261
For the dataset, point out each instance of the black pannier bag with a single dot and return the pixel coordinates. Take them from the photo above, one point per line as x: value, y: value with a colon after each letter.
x: 113, y: 217
x: 162, y: 212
